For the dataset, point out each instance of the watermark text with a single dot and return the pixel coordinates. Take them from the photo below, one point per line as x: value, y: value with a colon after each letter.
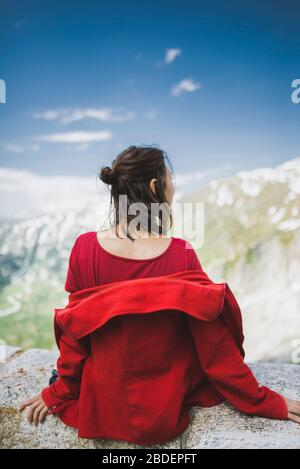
x: 2, y: 91
x: 295, y: 97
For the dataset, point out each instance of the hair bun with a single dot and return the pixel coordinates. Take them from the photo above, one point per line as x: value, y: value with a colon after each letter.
x: 107, y: 175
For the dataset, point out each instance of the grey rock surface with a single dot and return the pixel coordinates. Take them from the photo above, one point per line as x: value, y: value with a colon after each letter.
x: 225, y: 427
x: 26, y: 373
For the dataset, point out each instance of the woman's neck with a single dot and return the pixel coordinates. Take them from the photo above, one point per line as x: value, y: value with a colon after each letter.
x: 120, y: 230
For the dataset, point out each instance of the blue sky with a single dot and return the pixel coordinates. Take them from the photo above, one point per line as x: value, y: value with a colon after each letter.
x: 209, y: 82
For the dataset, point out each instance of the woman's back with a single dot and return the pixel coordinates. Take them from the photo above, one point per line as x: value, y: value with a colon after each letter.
x: 92, y: 264
x: 133, y: 375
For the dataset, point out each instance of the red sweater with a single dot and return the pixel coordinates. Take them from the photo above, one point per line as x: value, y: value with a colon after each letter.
x: 142, y: 340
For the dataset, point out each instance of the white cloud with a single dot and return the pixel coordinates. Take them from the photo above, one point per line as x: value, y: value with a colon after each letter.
x: 67, y: 116
x: 75, y: 137
x: 189, y: 182
x: 56, y: 195
x: 13, y: 148
x: 182, y: 179
x: 16, y: 148
x: 171, y: 55
x: 49, y: 115
x: 186, y: 85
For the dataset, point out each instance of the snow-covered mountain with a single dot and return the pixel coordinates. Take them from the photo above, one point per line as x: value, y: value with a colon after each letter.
x: 252, y: 241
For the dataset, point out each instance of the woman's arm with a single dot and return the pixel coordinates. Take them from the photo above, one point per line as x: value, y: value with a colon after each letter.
x: 223, y: 364
x: 222, y: 361
x: 73, y: 354
x: 72, y: 282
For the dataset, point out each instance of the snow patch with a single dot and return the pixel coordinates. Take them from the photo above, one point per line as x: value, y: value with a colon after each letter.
x: 251, y: 188
x: 278, y: 215
x: 289, y: 225
x: 224, y: 196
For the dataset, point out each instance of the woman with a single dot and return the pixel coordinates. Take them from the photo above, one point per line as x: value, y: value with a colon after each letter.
x: 142, y: 176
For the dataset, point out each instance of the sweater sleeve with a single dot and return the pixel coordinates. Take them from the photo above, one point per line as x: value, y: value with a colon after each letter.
x: 195, y: 262
x: 72, y: 278
x: 73, y: 354
x: 222, y: 362
x: 192, y: 258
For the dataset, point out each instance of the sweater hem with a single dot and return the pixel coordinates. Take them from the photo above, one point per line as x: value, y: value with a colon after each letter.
x: 120, y: 437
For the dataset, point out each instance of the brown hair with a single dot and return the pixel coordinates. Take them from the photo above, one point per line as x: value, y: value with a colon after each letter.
x: 130, y: 175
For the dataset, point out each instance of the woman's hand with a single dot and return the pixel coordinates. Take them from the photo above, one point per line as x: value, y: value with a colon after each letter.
x: 37, y: 409
x: 293, y: 410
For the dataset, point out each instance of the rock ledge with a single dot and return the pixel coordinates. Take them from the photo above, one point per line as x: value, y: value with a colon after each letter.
x: 25, y: 373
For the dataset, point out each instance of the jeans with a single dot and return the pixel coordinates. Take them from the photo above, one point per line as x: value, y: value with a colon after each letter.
x: 54, y: 376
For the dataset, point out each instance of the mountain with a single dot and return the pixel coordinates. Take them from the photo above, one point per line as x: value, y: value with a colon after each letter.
x: 40, y: 219
x: 251, y: 240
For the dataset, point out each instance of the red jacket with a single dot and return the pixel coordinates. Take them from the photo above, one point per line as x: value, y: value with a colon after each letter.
x: 136, y: 354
